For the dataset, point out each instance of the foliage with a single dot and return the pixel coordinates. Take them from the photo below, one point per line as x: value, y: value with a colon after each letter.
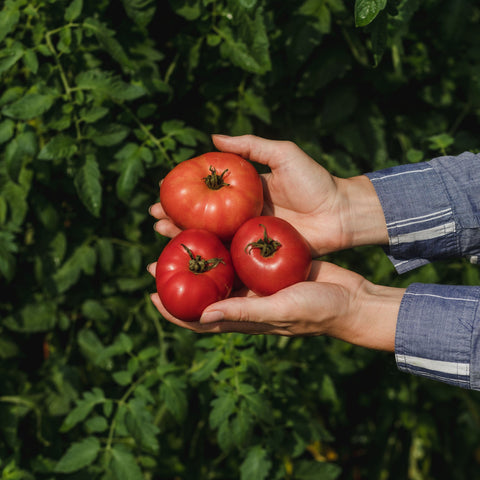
x: 98, y: 101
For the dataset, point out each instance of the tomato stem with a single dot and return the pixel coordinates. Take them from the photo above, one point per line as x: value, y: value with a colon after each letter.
x: 268, y: 246
x: 214, y: 181
x: 197, y: 264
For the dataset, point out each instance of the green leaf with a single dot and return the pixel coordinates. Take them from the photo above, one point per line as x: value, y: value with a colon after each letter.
x: 9, y: 17
x: 8, y: 347
x: 30, y: 106
x: 107, y: 85
x: 88, y: 184
x: 440, y: 141
x: 123, y: 464
x: 111, y: 135
x: 131, y: 168
x: 189, y: 9
x: 320, y: 13
x: 73, y: 11
x: 83, y: 408
x: 122, y: 377
x: 379, y: 36
x: 309, y: 470
x: 248, y: 3
x: 106, y: 38
x: 79, y: 455
x: 30, y: 60
x: 97, y: 424
x: 257, y: 106
x: 367, y: 10
x: 22, y: 148
x: 94, y: 310
x: 140, y: 11
x: 8, y: 247
x: 414, y: 156
x: 59, y: 147
x: 140, y: 424
x: 83, y: 260
x: 172, y: 392
x: 222, y: 407
x: 90, y: 345
x: 16, y: 197
x: 106, y: 254
x: 7, y: 128
x: 203, y: 368
x: 256, y: 464
x: 33, y: 317
x: 10, y: 56
x: 93, y: 114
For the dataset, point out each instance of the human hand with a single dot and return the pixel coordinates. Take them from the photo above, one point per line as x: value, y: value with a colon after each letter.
x: 334, y: 302
x: 331, y: 213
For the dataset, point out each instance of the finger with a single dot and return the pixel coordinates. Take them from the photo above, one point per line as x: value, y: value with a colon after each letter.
x: 151, y: 268
x: 268, y: 152
x: 166, y: 228
x: 156, y: 210
x: 255, y: 310
x: 214, y: 327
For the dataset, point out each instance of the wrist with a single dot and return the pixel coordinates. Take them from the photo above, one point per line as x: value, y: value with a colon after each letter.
x: 361, y: 213
x: 373, y: 318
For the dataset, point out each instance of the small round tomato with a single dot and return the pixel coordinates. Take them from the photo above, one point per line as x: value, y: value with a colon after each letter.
x: 215, y: 191
x: 193, y: 271
x: 269, y: 254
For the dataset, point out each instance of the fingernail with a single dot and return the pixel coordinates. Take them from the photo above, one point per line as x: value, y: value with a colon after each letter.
x: 150, y: 209
x: 148, y: 267
x: 212, y: 316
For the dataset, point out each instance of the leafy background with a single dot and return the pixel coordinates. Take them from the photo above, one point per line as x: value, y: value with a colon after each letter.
x: 98, y: 100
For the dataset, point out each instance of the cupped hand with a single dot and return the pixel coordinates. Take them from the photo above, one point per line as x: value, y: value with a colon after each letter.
x: 334, y: 302
x: 300, y: 191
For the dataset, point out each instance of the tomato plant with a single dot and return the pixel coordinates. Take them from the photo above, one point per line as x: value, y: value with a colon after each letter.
x: 216, y: 191
x: 269, y: 254
x: 193, y: 271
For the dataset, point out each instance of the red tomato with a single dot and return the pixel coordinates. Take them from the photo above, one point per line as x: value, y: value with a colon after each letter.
x: 270, y: 254
x: 193, y: 271
x: 216, y: 191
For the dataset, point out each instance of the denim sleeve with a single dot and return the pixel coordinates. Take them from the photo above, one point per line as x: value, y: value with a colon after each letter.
x: 432, y: 209
x: 438, y: 333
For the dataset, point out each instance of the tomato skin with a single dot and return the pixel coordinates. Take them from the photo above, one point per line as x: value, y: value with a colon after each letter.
x: 186, y: 294
x: 190, y: 203
x: 289, y: 264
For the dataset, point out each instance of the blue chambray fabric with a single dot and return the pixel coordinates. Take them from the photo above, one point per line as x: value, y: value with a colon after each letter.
x: 432, y: 210
x: 438, y: 331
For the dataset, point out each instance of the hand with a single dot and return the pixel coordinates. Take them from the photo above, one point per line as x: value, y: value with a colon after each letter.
x: 335, y: 302
x: 331, y: 213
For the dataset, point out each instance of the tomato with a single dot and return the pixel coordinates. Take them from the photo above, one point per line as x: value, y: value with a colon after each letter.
x: 269, y: 254
x: 194, y: 270
x: 215, y: 191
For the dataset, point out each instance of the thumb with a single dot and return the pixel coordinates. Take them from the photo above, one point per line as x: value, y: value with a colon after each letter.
x: 258, y: 149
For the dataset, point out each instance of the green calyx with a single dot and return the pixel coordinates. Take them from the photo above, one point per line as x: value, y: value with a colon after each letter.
x: 267, y: 246
x: 214, y: 181
x: 197, y: 264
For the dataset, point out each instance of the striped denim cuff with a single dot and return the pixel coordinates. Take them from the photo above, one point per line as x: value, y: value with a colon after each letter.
x: 438, y: 333
x: 419, y: 215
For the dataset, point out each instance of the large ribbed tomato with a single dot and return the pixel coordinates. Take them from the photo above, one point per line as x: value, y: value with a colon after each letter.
x: 215, y: 191
x: 193, y: 271
x: 269, y: 254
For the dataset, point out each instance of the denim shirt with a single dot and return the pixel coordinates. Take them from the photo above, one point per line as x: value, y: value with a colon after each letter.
x: 432, y: 210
